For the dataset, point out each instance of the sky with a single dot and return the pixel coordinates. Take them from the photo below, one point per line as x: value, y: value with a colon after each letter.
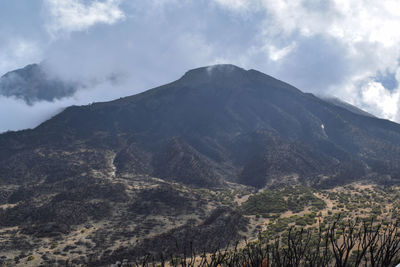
x: 349, y: 49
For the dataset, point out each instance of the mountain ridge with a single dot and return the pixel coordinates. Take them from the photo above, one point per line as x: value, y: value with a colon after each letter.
x: 209, y: 107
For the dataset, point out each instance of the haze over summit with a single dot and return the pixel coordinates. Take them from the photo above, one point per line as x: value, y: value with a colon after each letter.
x: 332, y: 48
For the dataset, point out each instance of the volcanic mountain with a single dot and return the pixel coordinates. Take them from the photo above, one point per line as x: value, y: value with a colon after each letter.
x: 215, y: 124
x: 181, y: 164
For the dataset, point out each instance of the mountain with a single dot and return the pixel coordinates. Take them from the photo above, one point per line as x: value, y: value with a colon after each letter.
x: 32, y: 83
x: 336, y: 101
x: 214, y: 124
x: 115, y: 177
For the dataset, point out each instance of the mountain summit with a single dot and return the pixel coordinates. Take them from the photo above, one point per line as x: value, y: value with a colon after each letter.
x: 32, y: 83
x: 215, y: 124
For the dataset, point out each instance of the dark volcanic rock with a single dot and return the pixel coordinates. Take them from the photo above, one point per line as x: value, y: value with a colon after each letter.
x: 180, y: 162
x: 132, y: 160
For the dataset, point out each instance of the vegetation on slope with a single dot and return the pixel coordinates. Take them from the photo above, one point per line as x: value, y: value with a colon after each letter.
x: 342, y: 243
x: 295, y: 199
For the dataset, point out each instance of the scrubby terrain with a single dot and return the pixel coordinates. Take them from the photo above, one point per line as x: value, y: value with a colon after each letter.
x: 216, y: 157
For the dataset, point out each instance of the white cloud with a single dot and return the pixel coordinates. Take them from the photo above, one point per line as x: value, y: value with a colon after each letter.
x: 74, y: 15
x: 276, y: 54
x: 238, y: 5
x: 354, y: 22
x: 15, y: 114
x: 379, y: 100
x: 23, y: 115
x: 18, y: 52
x: 365, y: 30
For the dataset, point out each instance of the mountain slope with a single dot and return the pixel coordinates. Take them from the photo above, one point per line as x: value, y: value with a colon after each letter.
x: 212, y: 111
x: 337, y: 102
x: 112, y: 179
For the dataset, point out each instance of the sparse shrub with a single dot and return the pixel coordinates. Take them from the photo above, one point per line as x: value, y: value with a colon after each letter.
x: 341, y: 243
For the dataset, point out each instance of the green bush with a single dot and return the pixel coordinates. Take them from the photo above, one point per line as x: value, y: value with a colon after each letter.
x: 295, y: 199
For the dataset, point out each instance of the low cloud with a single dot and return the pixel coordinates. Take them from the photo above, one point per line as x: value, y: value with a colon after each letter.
x: 22, y: 115
x: 16, y: 114
x: 377, y: 98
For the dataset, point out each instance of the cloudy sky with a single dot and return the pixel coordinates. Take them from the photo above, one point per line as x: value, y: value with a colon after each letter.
x: 345, y: 48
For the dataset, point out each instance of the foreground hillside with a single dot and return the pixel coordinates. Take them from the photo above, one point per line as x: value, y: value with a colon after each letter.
x: 156, y: 218
x: 217, y: 156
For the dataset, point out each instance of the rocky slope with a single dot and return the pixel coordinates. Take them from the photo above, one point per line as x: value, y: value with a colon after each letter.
x: 214, y: 124
x: 103, y: 181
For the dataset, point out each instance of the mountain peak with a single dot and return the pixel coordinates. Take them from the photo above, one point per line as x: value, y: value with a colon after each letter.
x: 216, y: 69
x: 28, y: 70
x: 32, y: 83
x: 214, y: 73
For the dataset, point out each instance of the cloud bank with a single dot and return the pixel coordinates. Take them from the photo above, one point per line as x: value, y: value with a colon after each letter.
x: 340, y: 46
x: 15, y: 114
x: 345, y: 48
